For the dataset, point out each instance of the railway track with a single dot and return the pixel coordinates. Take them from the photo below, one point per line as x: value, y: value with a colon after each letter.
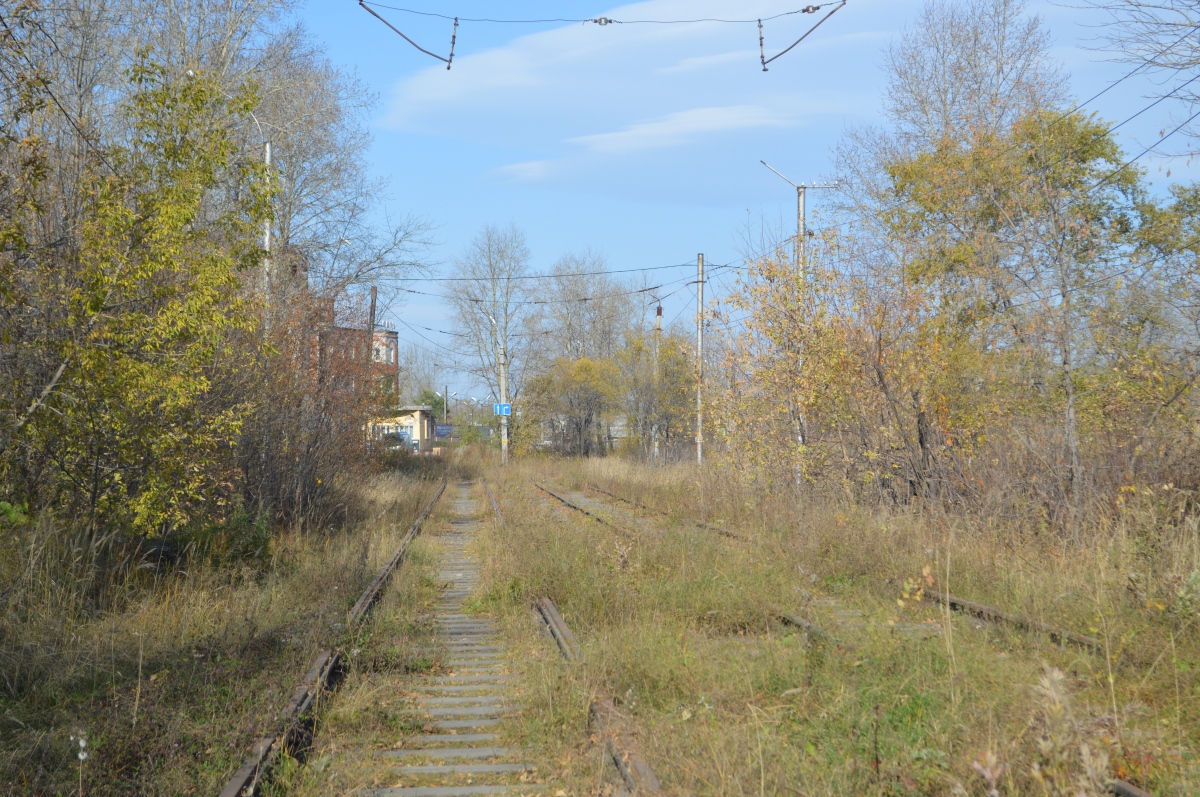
x: 456, y: 713
x: 461, y: 709
x: 850, y: 619
x: 294, y: 732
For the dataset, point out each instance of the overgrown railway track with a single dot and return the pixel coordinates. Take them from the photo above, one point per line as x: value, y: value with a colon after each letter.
x: 814, y: 630
x: 461, y: 709
x: 294, y: 727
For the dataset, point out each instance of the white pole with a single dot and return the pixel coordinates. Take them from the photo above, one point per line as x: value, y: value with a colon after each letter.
x: 700, y: 359
x: 801, y: 228
x: 503, y: 400
x: 267, y: 227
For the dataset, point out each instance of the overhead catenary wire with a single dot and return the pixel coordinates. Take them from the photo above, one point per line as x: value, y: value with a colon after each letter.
x: 602, y: 22
x: 1095, y: 137
x: 1112, y: 175
x: 1066, y: 114
x: 453, y: 36
x: 553, y: 276
x: 415, y: 329
x: 762, y: 53
x: 809, y: 9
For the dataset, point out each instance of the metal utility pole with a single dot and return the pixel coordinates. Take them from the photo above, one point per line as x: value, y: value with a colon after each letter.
x: 801, y: 214
x: 446, y: 404
x: 700, y: 359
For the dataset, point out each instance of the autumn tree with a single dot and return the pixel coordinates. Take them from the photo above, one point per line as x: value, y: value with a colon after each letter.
x: 574, y: 399
x: 140, y: 310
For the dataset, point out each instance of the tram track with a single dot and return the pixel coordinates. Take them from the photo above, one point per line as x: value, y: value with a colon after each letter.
x: 815, y: 631
x: 293, y: 732
x: 455, y: 714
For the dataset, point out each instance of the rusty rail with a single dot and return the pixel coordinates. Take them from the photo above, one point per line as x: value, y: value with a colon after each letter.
x: 296, y: 732
x: 698, y: 523
x: 596, y: 517
x: 812, y: 629
x: 989, y: 613
x: 495, y: 503
x: 1123, y: 789
x: 639, y: 778
x: 567, y: 645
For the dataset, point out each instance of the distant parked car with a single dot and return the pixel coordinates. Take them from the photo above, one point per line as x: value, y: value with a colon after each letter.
x: 398, y: 441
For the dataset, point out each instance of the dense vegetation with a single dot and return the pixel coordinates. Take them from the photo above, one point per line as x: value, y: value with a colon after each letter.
x: 980, y: 367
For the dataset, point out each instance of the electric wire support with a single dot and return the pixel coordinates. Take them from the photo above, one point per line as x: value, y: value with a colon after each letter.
x: 453, y: 35
x: 603, y: 22
x: 762, y: 52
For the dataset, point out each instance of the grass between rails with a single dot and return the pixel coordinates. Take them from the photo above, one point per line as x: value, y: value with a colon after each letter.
x: 172, y: 685
x: 397, y: 647
x: 679, y: 627
x: 365, y: 712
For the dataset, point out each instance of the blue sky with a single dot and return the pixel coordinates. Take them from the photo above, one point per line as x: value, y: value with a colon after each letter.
x: 639, y: 141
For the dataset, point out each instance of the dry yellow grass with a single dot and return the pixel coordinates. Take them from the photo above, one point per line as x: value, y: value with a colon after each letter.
x: 176, y: 676
x: 680, y: 628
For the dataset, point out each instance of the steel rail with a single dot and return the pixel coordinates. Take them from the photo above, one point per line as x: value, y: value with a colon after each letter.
x: 812, y: 629
x: 495, y: 503
x: 1060, y: 635
x: 1123, y: 789
x: 1116, y: 787
x: 594, y: 516
x: 634, y: 770
x: 640, y: 505
x: 296, y: 732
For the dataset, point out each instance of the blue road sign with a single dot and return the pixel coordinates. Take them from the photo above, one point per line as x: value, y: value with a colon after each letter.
x: 502, y: 409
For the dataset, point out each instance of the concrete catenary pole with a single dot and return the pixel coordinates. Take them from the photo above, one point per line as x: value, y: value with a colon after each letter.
x: 654, y: 383
x: 801, y: 215
x: 267, y: 231
x: 503, y: 400
x: 700, y: 359
x: 801, y: 226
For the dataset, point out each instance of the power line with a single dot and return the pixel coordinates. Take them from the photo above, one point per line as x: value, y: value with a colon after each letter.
x: 427, y: 340
x: 557, y: 276
x: 762, y: 53
x: 1061, y: 117
x: 453, y: 36
x: 1107, y: 179
x: 602, y: 21
x: 581, y: 299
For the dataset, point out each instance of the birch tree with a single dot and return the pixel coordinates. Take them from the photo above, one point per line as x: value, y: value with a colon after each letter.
x: 490, y: 301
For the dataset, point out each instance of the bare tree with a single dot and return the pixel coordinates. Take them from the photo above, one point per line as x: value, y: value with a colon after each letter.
x: 314, y: 115
x: 968, y: 67
x: 491, y: 305
x: 1160, y: 35
x: 586, y: 311
x: 419, y: 371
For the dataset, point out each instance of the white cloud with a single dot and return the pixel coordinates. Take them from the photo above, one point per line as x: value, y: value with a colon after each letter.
x: 706, y: 61
x: 677, y: 128
x: 526, y: 172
